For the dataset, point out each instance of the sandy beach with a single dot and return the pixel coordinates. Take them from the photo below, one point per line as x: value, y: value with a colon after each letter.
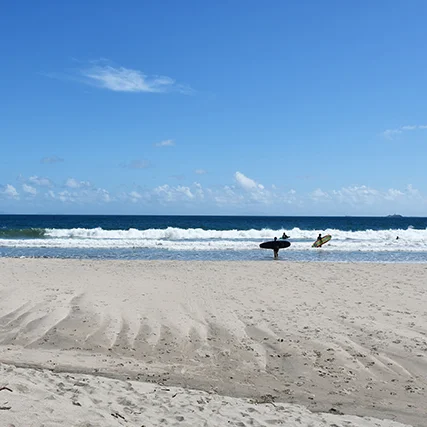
x: 109, y: 343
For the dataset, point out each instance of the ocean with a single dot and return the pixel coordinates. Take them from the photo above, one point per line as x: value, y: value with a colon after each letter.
x: 354, y: 239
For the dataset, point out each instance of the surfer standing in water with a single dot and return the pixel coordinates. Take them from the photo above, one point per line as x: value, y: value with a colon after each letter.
x: 276, y: 250
x: 284, y: 236
x: 319, y: 238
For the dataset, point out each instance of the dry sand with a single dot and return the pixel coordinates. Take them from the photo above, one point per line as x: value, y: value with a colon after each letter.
x: 352, y: 337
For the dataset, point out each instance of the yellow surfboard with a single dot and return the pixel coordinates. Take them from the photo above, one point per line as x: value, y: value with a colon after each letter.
x: 322, y: 241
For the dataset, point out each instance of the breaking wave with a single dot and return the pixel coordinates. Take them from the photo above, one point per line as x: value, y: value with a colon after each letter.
x: 22, y: 233
x: 173, y: 238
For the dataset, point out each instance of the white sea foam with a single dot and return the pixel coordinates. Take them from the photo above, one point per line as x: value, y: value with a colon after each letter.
x: 203, y: 240
x: 172, y: 233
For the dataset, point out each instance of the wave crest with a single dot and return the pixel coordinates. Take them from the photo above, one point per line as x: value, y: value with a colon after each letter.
x: 22, y: 233
x: 180, y: 239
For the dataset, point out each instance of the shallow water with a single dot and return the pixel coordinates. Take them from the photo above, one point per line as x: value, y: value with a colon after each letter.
x: 354, y: 239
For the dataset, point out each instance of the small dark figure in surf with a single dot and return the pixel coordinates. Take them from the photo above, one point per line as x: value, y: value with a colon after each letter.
x: 397, y: 238
x: 319, y: 238
x: 284, y: 236
x: 276, y: 250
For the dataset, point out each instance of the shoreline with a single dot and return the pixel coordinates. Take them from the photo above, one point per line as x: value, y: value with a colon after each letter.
x: 350, y: 336
x: 290, y: 257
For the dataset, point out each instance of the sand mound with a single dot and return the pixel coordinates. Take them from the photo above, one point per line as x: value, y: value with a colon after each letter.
x: 42, y: 398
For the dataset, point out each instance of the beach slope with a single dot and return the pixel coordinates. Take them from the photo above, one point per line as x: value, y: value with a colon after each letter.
x: 338, y: 338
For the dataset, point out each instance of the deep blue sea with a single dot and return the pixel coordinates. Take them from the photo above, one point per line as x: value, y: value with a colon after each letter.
x: 354, y: 239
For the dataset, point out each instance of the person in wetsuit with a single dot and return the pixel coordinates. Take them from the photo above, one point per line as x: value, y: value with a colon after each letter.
x: 276, y: 250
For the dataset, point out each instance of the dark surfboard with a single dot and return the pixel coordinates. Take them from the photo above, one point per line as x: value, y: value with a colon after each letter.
x: 275, y: 244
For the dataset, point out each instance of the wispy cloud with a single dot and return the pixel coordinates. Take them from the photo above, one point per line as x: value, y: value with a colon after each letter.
x: 81, y: 193
x: 200, y: 171
x: 51, y: 160
x: 362, y: 195
x: 179, y: 177
x: 392, y: 133
x: 136, y: 164
x: 165, y: 143
x: 121, y: 79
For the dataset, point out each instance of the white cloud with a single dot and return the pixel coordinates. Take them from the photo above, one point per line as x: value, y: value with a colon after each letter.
x: 186, y: 191
x: 135, y: 196
x: 164, y: 191
x: 356, y: 195
x: 40, y: 181
x: 29, y: 189
x: 364, y: 198
x: 393, y: 194
x: 123, y: 79
x: 391, y: 133
x: 200, y: 171
x: 66, y: 196
x: 198, y: 190
x: 73, y: 183
x: 104, y: 195
x: 247, y: 183
x: 165, y: 143
x: 10, y: 191
x: 83, y: 194
x: 226, y: 196
x: 243, y: 195
x: 248, y: 196
x: 291, y: 198
x: 318, y: 194
x: 411, y: 190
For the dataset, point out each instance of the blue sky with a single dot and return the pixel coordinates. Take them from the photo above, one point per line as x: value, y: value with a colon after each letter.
x: 298, y: 107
